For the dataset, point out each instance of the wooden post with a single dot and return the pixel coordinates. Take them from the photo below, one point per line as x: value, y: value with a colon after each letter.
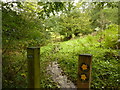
x: 84, y: 71
x: 33, y: 55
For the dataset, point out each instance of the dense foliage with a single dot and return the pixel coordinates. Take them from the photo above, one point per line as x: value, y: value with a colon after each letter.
x: 80, y: 28
x: 70, y: 24
x: 105, y: 58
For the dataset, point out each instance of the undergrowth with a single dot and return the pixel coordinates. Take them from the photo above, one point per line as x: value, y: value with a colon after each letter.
x: 105, y: 61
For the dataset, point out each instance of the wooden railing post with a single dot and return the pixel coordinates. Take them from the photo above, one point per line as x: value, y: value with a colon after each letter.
x: 84, y: 71
x: 33, y: 56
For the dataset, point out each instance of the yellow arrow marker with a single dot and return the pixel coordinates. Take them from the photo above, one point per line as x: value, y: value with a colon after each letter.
x: 83, y: 77
x: 84, y: 67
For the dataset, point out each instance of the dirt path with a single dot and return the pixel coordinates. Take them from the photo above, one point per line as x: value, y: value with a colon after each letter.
x: 56, y: 74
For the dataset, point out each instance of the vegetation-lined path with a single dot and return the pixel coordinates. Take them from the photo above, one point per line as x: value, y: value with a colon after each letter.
x: 56, y: 72
x: 62, y: 31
